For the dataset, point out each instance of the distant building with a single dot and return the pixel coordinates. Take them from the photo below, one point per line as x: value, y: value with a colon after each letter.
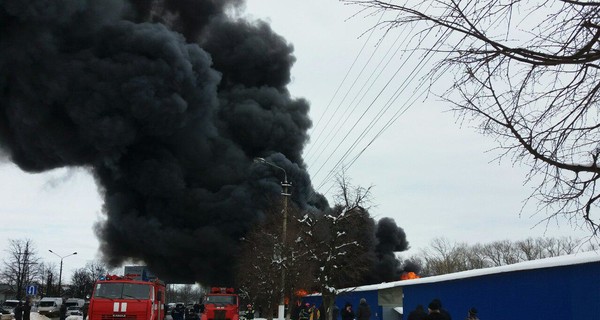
x: 139, y: 273
x: 6, y: 292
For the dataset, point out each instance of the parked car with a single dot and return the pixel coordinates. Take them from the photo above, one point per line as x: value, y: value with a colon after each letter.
x: 9, y: 305
x: 74, y: 311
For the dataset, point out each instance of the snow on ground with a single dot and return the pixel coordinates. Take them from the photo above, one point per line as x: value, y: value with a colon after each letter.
x: 37, y: 316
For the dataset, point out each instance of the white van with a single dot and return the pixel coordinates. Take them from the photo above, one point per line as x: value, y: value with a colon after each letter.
x: 49, y: 306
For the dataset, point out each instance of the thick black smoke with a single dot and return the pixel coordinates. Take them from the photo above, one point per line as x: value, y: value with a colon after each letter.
x: 390, y: 239
x: 167, y: 103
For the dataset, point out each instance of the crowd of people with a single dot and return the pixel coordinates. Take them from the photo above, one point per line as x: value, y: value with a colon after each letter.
x: 435, y: 311
x: 309, y: 311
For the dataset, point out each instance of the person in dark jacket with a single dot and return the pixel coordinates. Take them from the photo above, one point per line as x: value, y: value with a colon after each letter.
x: 472, y: 314
x: 364, y: 311
x: 18, y: 311
x: 434, y: 312
x: 249, y: 312
x: 84, y: 309
x: 178, y: 312
x: 348, y: 313
x: 63, y: 310
x: 304, y: 313
x: 27, y: 309
x: 417, y: 314
x: 443, y: 311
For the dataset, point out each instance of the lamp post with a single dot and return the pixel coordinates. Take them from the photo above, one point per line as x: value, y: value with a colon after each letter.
x: 285, y: 185
x: 61, y: 267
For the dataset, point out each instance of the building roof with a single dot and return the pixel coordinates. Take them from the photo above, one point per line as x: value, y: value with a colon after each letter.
x: 578, y: 258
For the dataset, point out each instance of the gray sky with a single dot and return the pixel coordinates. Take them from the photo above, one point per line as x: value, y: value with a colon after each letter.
x: 432, y: 175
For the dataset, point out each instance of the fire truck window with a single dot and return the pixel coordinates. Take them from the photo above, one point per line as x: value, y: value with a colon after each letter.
x: 220, y: 299
x: 136, y: 291
x: 108, y: 290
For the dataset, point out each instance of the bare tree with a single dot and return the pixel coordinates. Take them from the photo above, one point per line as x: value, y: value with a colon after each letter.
x: 343, y: 239
x: 20, y: 268
x: 446, y: 257
x: 527, y: 73
x: 264, y: 255
x: 83, y: 279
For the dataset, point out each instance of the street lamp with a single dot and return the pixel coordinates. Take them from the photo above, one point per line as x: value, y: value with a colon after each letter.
x: 285, y: 185
x: 61, y: 267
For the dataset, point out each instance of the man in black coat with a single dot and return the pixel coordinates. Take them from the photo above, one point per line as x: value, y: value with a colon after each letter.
x: 364, y: 311
x: 19, y: 311
x: 434, y: 312
x: 417, y: 314
x: 27, y: 309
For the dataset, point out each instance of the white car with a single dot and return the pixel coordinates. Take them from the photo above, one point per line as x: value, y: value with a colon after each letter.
x: 9, y: 305
x: 74, y: 311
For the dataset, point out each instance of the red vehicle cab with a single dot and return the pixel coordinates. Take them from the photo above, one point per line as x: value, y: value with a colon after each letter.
x: 126, y: 297
x: 221, y: 304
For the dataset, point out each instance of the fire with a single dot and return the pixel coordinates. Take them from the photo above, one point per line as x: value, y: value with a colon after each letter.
x: 301, y: 293
x: 409, y: 275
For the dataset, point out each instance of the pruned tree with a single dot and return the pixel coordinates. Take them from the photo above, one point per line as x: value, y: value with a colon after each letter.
x: 528, y: 74
x: 20, y: 267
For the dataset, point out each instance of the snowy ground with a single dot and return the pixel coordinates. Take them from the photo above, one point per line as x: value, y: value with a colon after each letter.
x: 37, y: 316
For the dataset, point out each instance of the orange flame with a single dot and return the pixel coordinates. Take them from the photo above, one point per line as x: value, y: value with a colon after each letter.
x: 301, y: 293
x: 409, y: 275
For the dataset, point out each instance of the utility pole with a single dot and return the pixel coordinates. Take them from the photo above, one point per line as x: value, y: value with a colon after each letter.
x: 285, y: 185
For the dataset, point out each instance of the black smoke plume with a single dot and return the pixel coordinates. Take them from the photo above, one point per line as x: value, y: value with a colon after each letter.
x: 166, y: 103
x: 389, y: 239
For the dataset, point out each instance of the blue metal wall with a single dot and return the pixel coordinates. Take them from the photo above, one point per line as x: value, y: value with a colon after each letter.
x: 354, y: 299
x: 565, y: 293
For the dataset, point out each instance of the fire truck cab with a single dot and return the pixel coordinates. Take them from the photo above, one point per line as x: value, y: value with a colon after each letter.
x: 128, y: 298
x: 221, y: 304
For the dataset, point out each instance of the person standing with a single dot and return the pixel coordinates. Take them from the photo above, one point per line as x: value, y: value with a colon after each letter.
x: 472, y: 314
x: 249, y: 312
x: 84, y: 309
x: 19, y: 311
x: 347, y: 313
x: 434, y: 312
x: 304, y: 313
x: 314, y: 313
x: 443, y: 311
x: 177, y: 312
x: 417, y: 314
x: 27, y: 309
x: 364, y: 311
x: 63, y: 310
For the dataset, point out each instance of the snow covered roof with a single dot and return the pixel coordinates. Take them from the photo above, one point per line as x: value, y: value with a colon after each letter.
x: 578, y: 258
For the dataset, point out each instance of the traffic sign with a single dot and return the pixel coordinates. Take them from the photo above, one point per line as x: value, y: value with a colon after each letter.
x: 31, y: 290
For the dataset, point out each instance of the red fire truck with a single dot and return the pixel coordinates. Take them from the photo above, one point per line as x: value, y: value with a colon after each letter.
x: 221, y: 304
x: 127, y: 297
